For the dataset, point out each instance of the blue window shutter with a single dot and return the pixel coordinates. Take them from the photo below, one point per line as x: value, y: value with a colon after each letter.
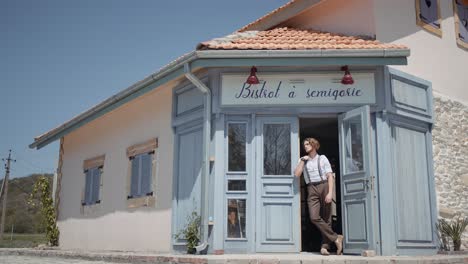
x: 135, y: 175
x: 146, y: 174
x: 462, y: 11
x: 88, y: 181
x: 465, y: 24
x: 96, y: 184
x: 428, y: 12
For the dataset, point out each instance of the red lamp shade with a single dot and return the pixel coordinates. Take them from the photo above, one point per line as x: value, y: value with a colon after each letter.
x: 347, y: 78
x: 253, y: 76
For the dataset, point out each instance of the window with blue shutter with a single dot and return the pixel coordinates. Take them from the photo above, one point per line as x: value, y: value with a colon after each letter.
x: 92, y: 186
x: 462, y: 13
x: 428, y: 16
x: 428, y: 12
x: 140, y: 179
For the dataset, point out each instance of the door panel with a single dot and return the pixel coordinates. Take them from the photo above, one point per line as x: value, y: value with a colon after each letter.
x: 188, y: 190
x: 357, y: 182
x: 277, y: 148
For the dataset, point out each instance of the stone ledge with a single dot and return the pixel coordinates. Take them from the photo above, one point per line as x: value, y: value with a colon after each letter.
x: 462, y: 252
x: 302, y: 258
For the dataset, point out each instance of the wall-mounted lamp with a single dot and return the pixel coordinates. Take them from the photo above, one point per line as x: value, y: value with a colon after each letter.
x: 347, y: 78
x: 253, y: 76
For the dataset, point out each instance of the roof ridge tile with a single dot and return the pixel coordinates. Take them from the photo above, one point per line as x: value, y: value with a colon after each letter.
x: 288, y: 38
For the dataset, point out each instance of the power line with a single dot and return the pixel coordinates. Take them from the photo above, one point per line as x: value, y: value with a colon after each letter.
x: 33, y: 165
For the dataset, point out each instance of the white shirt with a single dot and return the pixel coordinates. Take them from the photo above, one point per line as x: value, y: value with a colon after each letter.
x: 312, y: 168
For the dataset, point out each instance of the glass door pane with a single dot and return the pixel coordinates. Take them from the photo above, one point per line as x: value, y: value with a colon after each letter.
x: 353, y: 146
x: 237, y: 133
x: 277, y: 149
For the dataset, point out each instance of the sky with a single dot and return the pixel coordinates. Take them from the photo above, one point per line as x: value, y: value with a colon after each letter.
x: 58, y: 58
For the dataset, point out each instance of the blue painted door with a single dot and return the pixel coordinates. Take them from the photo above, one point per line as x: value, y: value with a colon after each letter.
x: 277, y: 205
x: 357, y: 185
x: 188, y: 182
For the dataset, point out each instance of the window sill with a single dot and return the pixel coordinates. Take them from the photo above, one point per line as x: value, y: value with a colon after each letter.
x: 230, y: 239
x: 89, y: 209
x: 430, y: 28
x: 144, y: 201
x: 462, y: 44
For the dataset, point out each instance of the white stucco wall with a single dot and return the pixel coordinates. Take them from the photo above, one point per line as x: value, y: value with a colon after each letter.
x: 113, y: 225
x: 338, y: 16
x: 436, y: 59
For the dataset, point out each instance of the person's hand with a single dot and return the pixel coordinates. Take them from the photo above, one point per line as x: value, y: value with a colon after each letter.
x: 328, y: 198
x: 305, y: 158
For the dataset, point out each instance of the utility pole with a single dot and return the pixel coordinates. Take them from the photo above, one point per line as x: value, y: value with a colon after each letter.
x: 5, y: 192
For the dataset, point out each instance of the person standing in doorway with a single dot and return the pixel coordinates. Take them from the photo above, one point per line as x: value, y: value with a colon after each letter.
x: 318, y: 176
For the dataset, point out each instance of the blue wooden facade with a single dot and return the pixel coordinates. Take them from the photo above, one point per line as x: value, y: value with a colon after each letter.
x: 387, y: 204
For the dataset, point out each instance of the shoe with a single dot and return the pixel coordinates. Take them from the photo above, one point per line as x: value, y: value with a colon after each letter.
x: 339, y: 244
x: 324, y: 252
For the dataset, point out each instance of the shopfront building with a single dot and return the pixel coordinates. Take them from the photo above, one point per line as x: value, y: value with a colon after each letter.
x: 376, y: 133
x: 207, y: 141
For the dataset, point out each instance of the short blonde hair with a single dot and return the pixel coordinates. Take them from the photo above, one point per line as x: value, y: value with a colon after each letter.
x: 313, y: 142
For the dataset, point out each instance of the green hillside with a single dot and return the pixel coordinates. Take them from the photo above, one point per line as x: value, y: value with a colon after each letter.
x: 20, y: 216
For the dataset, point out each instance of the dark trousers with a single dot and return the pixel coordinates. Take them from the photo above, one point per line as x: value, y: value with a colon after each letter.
x: 320, y: 212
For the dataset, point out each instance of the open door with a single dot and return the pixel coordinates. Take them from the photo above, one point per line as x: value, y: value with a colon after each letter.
x: 277, y: 212
x: 357, y: 184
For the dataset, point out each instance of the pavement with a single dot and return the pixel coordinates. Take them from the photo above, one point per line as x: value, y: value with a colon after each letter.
x: 42, y: 260
x: 58, y: 256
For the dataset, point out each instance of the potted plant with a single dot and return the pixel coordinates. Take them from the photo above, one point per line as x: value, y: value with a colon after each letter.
x: 191, y: 232
x: 453, y: 229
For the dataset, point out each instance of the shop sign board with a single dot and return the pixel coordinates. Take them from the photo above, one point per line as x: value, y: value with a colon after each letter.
x: 297, y: 89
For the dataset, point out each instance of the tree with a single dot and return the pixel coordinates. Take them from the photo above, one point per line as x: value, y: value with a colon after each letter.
x: 42, y: 189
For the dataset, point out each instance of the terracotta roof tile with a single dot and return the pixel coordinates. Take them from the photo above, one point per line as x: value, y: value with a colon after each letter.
x: 291, y: 38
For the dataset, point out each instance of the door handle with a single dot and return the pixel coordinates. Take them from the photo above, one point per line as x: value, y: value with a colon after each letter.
x: 369, y: 182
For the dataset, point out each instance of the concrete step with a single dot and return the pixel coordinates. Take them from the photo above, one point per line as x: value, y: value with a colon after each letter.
x: 302, y: 258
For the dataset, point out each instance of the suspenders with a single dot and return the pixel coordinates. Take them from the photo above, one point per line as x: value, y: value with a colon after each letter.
x: 319, y: 168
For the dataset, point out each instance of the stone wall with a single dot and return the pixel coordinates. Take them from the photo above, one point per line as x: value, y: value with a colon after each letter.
x: 450, y: 146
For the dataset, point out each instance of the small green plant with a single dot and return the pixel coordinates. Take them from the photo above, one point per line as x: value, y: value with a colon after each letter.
x: 42, y: 189
x: 454, y: 230
x: 443, y: 240
x: 191, y: 232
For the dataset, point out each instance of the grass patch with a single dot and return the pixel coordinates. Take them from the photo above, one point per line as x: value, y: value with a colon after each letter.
x: 22, y: 240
